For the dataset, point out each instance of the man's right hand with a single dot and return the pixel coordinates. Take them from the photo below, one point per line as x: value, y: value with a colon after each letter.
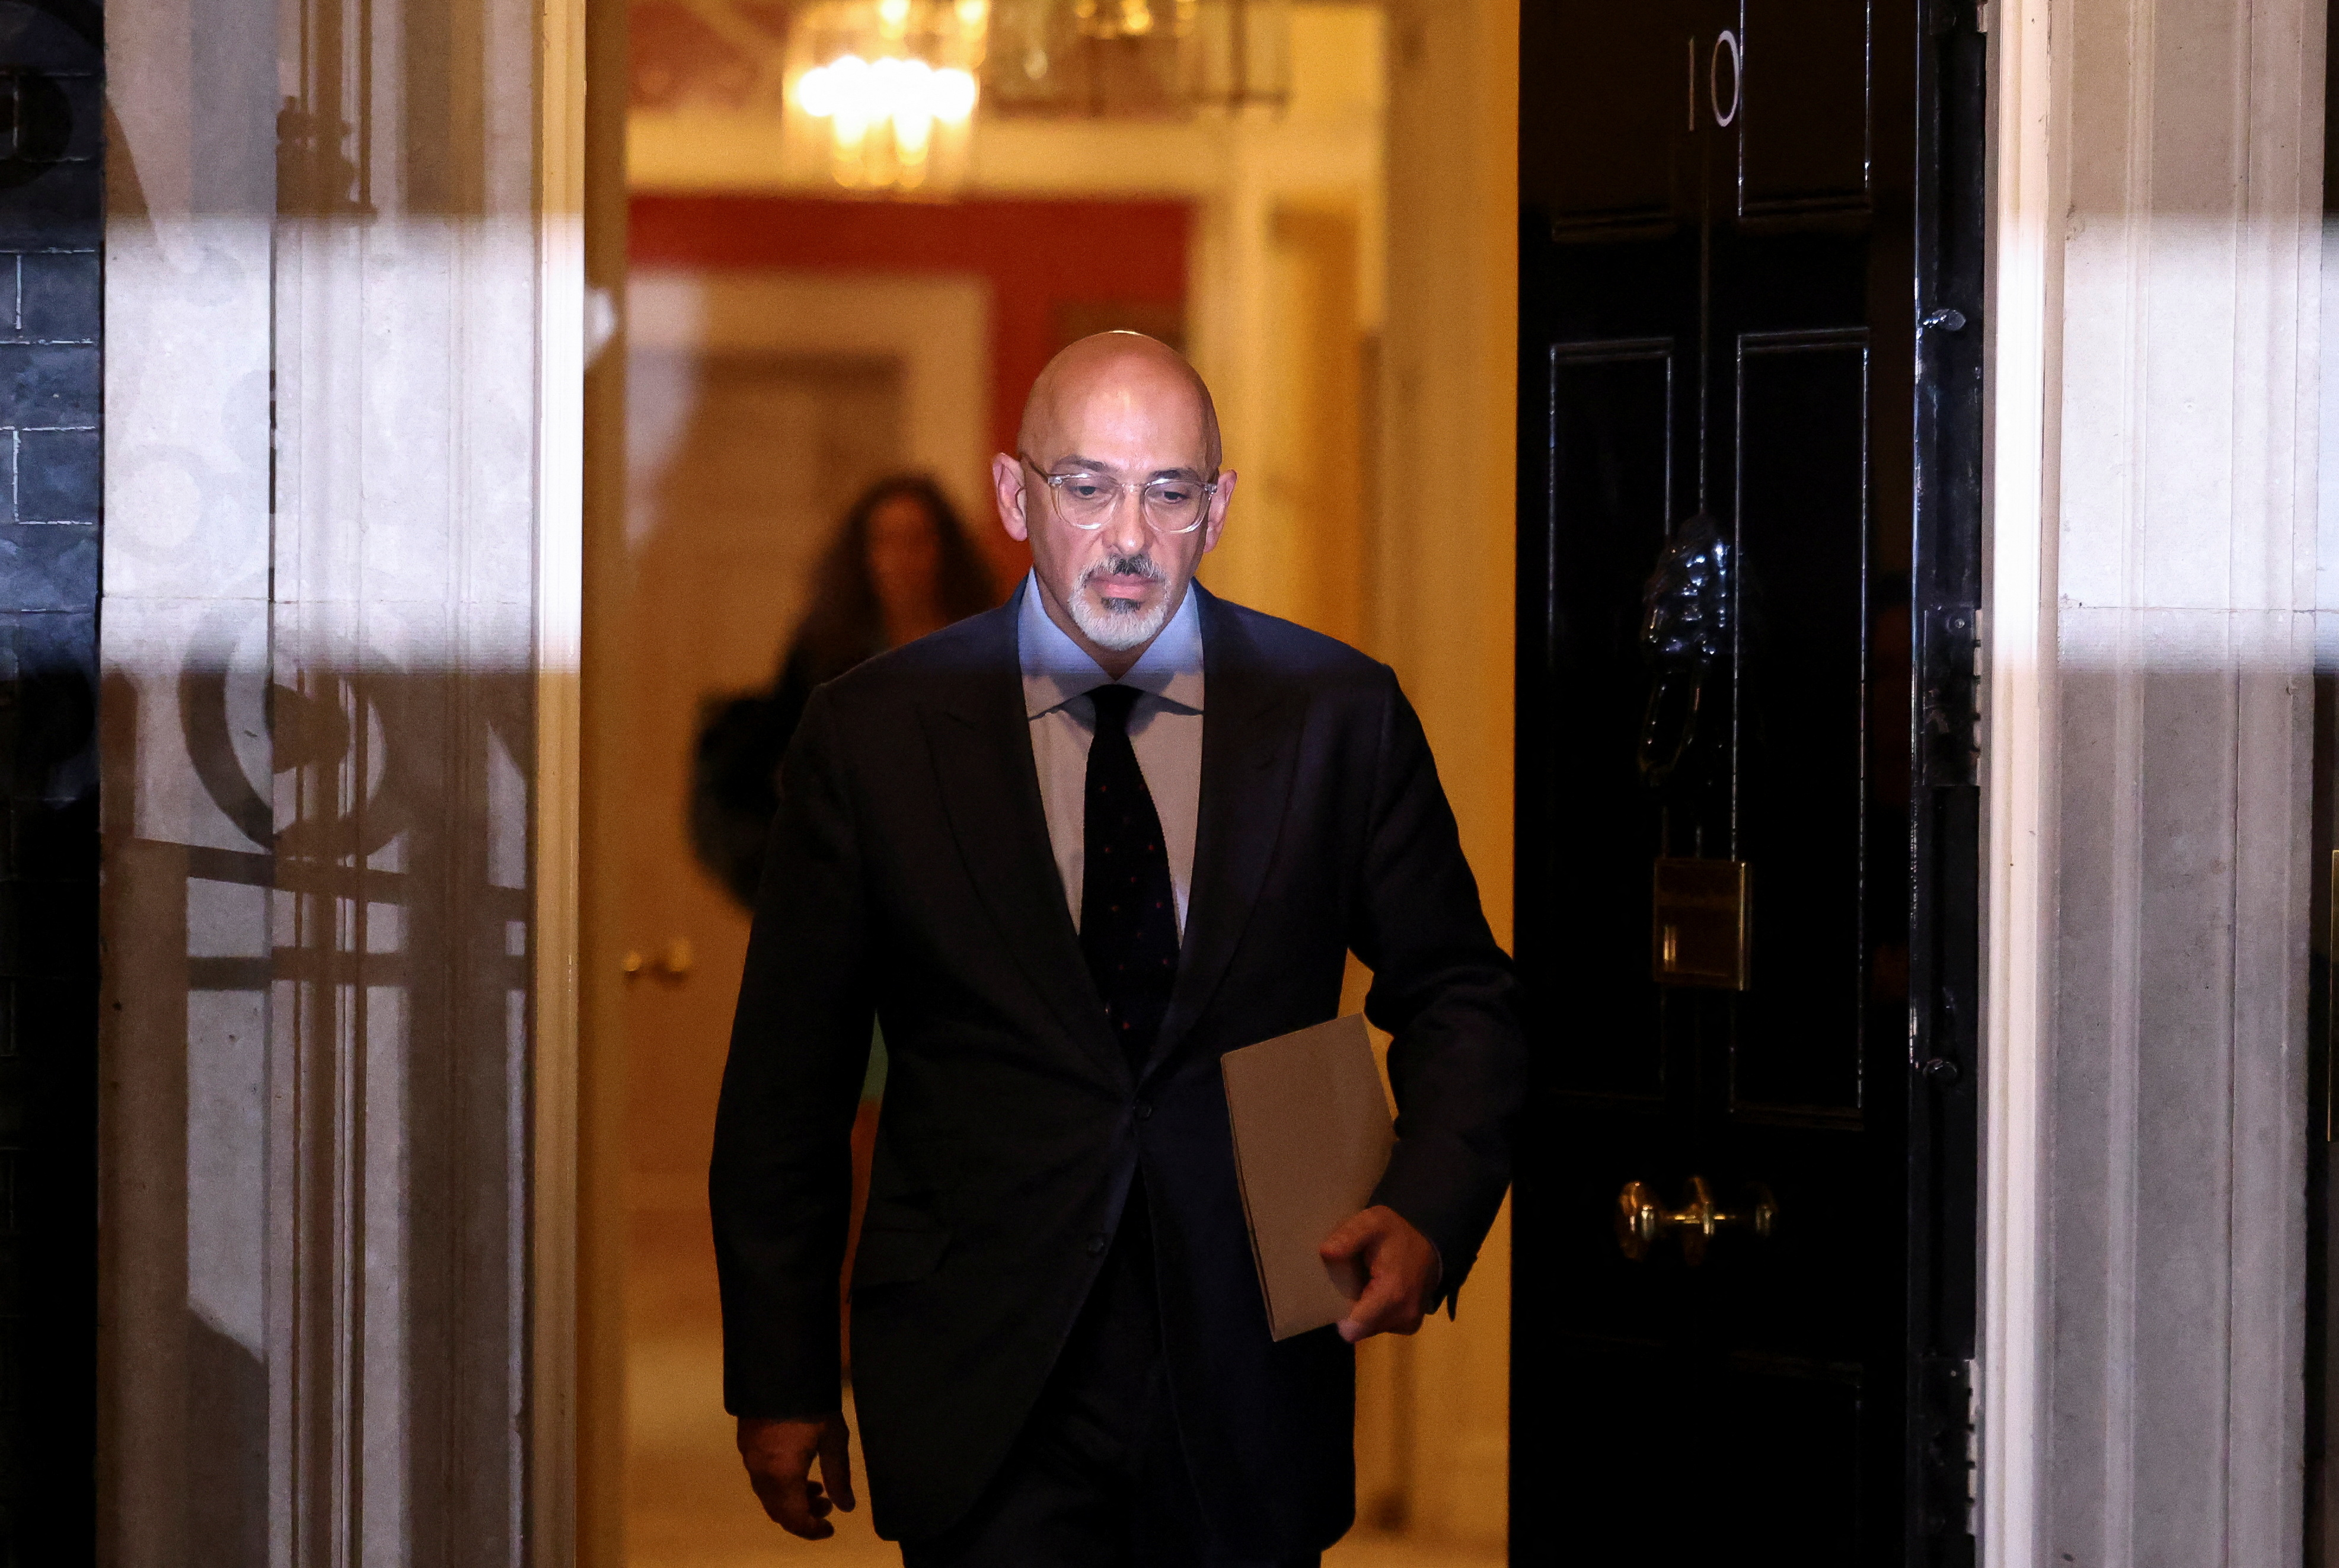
x: 779, y: 1456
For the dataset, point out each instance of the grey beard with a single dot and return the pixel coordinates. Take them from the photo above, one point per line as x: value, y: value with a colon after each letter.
x: 1121, y: 626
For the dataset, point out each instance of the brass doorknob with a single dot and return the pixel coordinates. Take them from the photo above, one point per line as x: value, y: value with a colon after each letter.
x: 669, y: 963
x: 1642, y: 1220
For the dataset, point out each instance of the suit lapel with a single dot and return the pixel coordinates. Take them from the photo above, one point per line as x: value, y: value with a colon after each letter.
x: 981, y: 747
x: 1250, y: 747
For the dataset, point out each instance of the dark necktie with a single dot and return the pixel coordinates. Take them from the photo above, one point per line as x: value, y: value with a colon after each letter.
x: 1128, y: 922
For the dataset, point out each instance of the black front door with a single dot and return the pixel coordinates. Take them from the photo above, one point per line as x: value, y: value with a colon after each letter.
x: 1749, y: 571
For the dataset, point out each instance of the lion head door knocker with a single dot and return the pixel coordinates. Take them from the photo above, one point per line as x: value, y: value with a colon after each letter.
x: 1685, y: 613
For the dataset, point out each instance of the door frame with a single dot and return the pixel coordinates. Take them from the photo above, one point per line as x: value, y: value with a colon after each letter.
x: 570, y: 168
x: 2018, y: 796
x: 2089, y: 1171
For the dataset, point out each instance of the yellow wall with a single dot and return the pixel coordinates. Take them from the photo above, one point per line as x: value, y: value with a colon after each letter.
x: 1296, y: 546
x: 1395, y: 364
x: 1443, y: 608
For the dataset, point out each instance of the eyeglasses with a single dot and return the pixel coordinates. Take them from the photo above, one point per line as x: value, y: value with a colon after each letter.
x: 1086, y: 500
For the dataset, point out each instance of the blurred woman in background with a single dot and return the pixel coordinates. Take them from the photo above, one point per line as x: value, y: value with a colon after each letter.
x: 901, y: 566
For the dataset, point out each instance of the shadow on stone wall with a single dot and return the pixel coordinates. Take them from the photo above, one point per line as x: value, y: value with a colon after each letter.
x: 316, y: 1110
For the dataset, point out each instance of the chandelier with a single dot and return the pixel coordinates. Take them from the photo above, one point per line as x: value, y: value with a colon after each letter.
x: 1148, y: 59
x: 880, y: 93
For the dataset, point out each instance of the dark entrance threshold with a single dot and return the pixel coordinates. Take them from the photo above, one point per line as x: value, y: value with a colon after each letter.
x: 52, y: 144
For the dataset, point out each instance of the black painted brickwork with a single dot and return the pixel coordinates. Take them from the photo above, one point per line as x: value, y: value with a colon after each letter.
x: 51, y: 209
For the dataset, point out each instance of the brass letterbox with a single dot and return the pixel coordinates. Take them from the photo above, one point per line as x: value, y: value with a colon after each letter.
x: 1700, y: 934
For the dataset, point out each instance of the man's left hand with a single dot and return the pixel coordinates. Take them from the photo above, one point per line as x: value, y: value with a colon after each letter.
x: 1398, y: 1268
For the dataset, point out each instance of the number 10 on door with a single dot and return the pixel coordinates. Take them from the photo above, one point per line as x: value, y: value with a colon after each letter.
x: 1725, y: 45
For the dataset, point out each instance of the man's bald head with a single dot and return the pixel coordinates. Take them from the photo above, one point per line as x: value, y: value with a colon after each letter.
x: 1114, y: 365
x: 1124, y: 421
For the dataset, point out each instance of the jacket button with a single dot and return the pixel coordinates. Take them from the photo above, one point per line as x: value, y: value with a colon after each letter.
x: 1096, y: 1244
x: 1144, y: 1110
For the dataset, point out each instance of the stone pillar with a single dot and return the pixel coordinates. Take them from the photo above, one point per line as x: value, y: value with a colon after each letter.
x: 2154, y: 418
x: 339, y: 704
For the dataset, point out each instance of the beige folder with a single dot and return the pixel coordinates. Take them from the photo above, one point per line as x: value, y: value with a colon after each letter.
x: 1312, y: 1137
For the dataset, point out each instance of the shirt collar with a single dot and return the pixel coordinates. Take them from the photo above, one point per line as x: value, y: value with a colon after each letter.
x: 1056, y: 669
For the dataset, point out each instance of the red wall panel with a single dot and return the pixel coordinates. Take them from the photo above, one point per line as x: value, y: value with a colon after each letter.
x: 1038, y: 256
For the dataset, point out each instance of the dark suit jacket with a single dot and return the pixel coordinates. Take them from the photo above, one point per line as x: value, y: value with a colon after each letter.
x: 910, y: 871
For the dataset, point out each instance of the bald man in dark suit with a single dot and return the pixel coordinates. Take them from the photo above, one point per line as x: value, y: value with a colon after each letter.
x: 1070, y: 853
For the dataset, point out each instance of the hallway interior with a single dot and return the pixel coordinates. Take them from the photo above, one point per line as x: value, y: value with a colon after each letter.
x: 785, y: 343
x: 687, y: 1502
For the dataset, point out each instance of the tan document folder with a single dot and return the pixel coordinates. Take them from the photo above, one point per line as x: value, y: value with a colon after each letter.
x: 1312, y: 1137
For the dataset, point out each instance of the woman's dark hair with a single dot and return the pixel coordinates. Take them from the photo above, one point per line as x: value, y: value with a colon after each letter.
x: 735, y: 773
x: 846, y: 624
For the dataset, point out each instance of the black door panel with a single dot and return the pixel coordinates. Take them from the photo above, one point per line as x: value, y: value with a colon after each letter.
x: 1745, y: 896
x: 1806, y: 142
x: 1799, y: 794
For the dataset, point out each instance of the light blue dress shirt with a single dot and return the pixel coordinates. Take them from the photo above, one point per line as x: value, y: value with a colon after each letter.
x: 1165, y: 728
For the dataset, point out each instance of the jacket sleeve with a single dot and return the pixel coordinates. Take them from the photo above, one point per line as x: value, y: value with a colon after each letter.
x: 780, y: 1186
x: 1448, y: 997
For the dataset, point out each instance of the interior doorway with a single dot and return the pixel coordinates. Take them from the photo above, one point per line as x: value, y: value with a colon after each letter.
x: 1260, y: 244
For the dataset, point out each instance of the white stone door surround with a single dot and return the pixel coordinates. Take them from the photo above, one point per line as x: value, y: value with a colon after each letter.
x: 2153, y: 424
x: 340, y: 653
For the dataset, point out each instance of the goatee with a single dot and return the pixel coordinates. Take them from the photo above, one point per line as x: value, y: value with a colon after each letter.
x: 1121, y: 624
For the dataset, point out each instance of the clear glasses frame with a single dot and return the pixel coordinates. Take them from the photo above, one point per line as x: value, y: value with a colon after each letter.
x: 1149, y: 505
